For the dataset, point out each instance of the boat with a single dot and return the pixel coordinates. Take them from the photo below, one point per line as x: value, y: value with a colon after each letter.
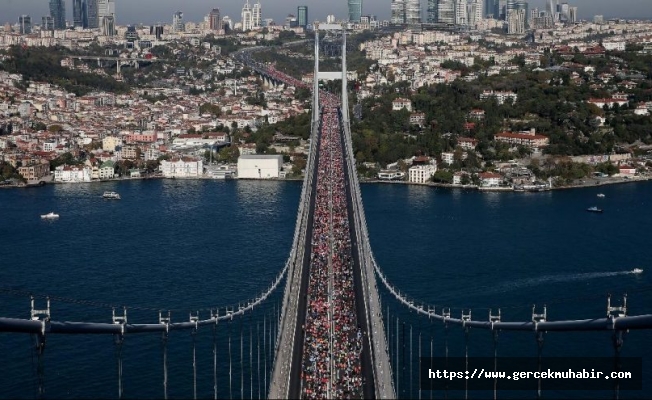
x: 50, y: 215
x: 111, y: 195
x: 637, y: 271
x: 600, y: 195
x: 594, y: 209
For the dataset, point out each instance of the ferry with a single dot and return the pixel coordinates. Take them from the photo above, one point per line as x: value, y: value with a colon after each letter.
x: 594, y: 209
x: 50, y: 215
x: 637, y: 271
x: 600, y: 195
x: 111, y: 195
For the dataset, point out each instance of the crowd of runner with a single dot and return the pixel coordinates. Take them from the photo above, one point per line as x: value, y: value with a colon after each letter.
x: 333, y: 340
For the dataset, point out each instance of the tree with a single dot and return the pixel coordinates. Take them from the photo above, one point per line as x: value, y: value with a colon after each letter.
x: 443, y: 176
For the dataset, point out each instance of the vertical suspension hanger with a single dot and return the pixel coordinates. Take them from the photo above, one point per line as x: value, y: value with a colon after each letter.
x: 446, y: 313
x: 536, y: 319
x: 118, y: 341
x: 419, y: 370
x: 241, y: 355
x: 466, y: 318
x: 431, y: 313
x: 613, y: 313
x: 215, y: 316
x: 44, y: 317
x: 493, y: 319
x: 411, y: 376
x: 194, y: 319
x: 165, y: 321
x: 229, y: 313
x: 258, y: 354
x: 251, y: 362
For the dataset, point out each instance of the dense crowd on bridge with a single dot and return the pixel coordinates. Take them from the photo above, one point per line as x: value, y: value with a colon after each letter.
x: 333, y: 340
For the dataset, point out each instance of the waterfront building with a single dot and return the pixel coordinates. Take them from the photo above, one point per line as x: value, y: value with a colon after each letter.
x: 72, y: 173
x: 177, y: 22
x: 58, y: 13
x: 302, y: 16
x: 35, y: 171
x: 421, y: 173
x: 185, y: 167
x: 215, y: 20
x: 355, y: 10
x: 107, y: 170
x: 25, y: 24
x: 260, y: 166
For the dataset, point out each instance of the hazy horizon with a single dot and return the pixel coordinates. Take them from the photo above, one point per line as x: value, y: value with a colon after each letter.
x: 155, y: 11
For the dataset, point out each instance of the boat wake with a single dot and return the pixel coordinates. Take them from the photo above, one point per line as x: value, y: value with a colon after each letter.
x: 562, y: 278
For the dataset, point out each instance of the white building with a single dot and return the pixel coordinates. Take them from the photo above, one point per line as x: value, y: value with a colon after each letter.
x: 185, y: 167
x: 401, y: 103
x: 461, y: 12
x: 259, y: 166
x: 421, y: 173
x: 72, y: 173
x: 247, y: 17
x: 447, y: 157
x: 107, y: 170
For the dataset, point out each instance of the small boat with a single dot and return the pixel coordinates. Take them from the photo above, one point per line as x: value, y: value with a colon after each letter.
x: 50, y: 215
x: 637, y: 271
x: 601, y: 195
x: 111, y: 195
x: 594, y: 209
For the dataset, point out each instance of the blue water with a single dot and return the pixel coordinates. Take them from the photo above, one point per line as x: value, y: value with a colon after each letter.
x: 187, y: 245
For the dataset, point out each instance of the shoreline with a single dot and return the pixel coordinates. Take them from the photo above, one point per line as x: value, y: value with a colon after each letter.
x: 590, y: 183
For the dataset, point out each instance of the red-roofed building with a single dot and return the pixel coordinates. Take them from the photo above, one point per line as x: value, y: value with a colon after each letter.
x: 467, y: 143
x: 490, y: 178
x: 524, y: 139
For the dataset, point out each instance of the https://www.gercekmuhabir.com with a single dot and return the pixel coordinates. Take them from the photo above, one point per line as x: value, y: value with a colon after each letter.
x: 525, y: 373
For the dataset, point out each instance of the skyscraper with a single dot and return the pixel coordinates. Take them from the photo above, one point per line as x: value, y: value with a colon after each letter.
x: 58, y: 13
x: 398, y: 12
x: 256, y: 15
x: 215, y: 20
x: 516, y: 22
x: 47, y: 23
x: 92, y: 14
x: 302, y: 16
x: 25, y: 22
x: 446, y: 12
x: 475, y: 12
x: 177, y: 22
x: 77, y: 13
x: 431, y: 10
x: 461, y: 13
x: 247, y: 21
x: 355, y: 10
x: 412, y: 12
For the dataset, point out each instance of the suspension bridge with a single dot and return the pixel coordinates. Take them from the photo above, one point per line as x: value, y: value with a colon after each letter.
x: 324, y: 326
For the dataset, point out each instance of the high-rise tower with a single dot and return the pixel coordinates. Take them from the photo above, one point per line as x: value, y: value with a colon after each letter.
x: 77, y: 13
x: 446, y: 12
x: 25, y: 22
x: 215, y: 20
x: 431, y: 10
x: 246, y: 16
x: 355, y: 10
x: 92, y: 14
x: 398, y: 12
x: 58, y: 13
x: 256, y: 15
x: 412, y: 12
x: 177, y: 22
x: 302, y: 16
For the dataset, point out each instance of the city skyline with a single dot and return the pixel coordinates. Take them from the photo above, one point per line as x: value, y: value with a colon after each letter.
x: 155, y: 11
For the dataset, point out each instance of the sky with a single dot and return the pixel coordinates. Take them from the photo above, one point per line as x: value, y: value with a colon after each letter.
x: 153, y: 11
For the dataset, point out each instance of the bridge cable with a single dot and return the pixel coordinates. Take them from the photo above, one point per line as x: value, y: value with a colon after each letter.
x: 241, y: 360
x: 265, y: 352
x: 32, y: 350
x: 251, y: 362
x: 419, y: 370
x: 493, y: 319
x: 403, y: 354
x: 230, y: 366
x: 118, y: 341
x: 39, y: 341
x: 215, y: 352
x: 398, y: 371
x: 411, y: 376
x: 466, y: 360
x: 432, y: 338
x: 446, y: 349
x: 258, y: 353
x: 164, y: 348
x: 193, y: 334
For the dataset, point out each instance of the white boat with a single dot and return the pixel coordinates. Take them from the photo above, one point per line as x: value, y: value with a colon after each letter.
x: 111, y: 195
x: 50, y: 215
x: 637, y: 271
x: 600, y: 194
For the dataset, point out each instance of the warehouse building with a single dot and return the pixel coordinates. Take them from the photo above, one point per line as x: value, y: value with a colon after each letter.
x: 258, y: 166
